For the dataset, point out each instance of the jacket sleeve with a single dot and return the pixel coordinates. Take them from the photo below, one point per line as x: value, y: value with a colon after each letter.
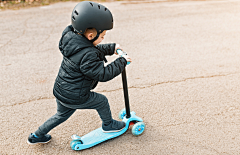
x: 93, y: 67
x: 107, y: 49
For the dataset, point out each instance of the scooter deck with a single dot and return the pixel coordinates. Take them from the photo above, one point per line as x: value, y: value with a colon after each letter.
x: 98, y: 136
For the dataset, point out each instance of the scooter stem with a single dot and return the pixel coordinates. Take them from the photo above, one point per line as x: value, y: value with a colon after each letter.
x: 125, y: 91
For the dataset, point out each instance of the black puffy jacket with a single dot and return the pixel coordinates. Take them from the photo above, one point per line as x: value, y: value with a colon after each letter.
x: 82, y: 67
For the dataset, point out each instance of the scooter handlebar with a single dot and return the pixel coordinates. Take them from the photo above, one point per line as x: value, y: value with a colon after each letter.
x: 121, y: 53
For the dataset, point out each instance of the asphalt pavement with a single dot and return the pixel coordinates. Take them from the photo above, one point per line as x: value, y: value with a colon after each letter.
x: 184, y: 80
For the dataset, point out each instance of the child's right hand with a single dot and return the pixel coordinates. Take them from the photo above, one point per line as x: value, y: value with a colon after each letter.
x: 127, y: 58
x: 116, y: 48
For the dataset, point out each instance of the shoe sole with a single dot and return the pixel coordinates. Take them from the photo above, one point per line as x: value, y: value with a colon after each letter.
x: 38, y: 142
x: 112, y: 130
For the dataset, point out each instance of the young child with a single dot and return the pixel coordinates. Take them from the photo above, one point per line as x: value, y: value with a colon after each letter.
x: 81, y: 69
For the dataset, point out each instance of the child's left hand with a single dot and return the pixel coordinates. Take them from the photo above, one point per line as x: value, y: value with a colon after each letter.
x: 117, y: 47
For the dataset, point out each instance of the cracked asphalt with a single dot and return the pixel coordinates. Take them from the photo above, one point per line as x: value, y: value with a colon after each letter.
x: 184, y: 79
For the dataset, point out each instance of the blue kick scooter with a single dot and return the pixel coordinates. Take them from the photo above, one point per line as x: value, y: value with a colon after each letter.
x: 98, y: 136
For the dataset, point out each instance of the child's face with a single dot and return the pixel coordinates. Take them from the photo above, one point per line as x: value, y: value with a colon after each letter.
x: 100, y: 38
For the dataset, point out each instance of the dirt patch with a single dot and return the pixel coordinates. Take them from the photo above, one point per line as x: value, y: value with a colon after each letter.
x: 18, y: 4
x: 15, y: 5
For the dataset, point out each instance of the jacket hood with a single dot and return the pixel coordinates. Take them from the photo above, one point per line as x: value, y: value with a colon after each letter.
x: 71, y: 42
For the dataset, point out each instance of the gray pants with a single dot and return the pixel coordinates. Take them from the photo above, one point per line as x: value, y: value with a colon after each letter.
x: 64, y: 111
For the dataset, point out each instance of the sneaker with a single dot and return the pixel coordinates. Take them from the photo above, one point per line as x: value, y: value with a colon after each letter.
x: 33, y: 139
x: 114, y: 126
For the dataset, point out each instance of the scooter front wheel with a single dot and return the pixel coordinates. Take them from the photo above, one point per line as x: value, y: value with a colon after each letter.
x: 122, y: 113
x: 138, y: 128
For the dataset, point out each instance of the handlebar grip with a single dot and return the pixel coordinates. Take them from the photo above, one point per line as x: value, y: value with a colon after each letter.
x: 121, y: 53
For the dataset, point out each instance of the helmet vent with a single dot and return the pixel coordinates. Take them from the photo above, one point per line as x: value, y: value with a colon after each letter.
x: 99, y: 6
x: 73, y: 18
x: 76, y: 12
x: 91, y: 4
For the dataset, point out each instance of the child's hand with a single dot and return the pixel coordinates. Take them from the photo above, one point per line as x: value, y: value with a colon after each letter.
x: 127, y: 58
x: 117, y: 47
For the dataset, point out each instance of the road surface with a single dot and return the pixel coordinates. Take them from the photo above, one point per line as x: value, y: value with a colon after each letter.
x: 184, y: 80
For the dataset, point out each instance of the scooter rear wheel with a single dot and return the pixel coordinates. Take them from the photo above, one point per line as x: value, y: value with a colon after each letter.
x: 74, y: 144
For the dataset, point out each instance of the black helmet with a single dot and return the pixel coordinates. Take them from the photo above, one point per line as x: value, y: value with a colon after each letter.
x: 88, y: 14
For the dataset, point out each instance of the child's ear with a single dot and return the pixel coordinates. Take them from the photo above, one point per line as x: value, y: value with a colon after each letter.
x: 90, y: 36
